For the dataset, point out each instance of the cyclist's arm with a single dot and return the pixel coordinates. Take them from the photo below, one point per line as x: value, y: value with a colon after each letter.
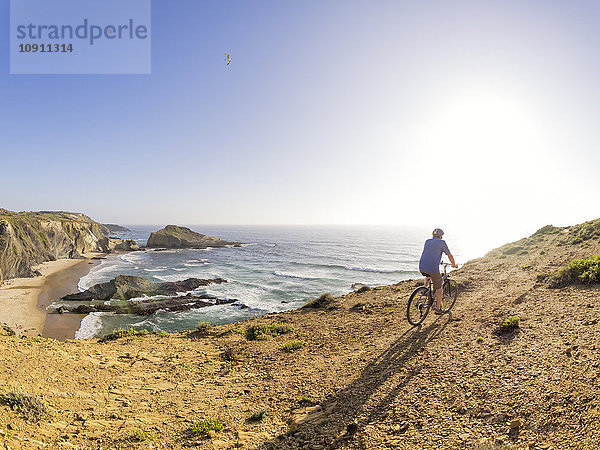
x: 451, y: 258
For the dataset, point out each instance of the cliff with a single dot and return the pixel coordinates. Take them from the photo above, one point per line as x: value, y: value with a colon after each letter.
x: 173, y: 236
x: 30, y: 238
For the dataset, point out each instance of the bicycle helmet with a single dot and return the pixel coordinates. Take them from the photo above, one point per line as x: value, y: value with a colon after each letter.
x: 438, y: 232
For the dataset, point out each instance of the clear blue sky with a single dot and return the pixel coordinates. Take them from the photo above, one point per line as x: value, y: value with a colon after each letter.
x: 330, y: 112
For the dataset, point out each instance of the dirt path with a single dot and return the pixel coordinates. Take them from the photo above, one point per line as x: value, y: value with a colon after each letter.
x: 362, y: 379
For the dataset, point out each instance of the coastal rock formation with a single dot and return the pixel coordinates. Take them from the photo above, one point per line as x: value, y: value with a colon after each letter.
x: 173, y: 236
x: 122, y: 245
x: 113, y: 228
x: 30, y: 238
x: 148, y: 306
x: 125, y: 287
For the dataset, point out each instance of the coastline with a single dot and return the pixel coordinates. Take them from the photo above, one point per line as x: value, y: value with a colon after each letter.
x: 23, y: 301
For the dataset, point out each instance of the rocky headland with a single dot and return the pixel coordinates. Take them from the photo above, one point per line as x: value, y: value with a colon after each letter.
x: 173, y: 236
x: 30, y: 238
x: 114, y: 228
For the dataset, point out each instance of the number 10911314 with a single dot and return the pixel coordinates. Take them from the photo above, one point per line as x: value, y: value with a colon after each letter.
x: 45, y: 48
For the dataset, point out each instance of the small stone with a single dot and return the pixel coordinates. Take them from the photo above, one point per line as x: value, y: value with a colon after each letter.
x: 515, y: 423
x: 351, y: 428
x: 211, y: 434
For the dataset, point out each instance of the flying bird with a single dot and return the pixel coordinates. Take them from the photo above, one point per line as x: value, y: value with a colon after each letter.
x: 227, y: 58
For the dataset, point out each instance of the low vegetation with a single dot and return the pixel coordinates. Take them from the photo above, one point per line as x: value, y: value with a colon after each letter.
x: 584, y: 232
x: 205, y: 425
x: 262, y: 331
x: 33, y: 407
x: 203, y: 328
x: 548, y: 229
x: 580, y: 271
x: 258, y: 416
x: 319, y: 302
x: 121, y: 333
x: 294, y: 345
x: 509, y: 324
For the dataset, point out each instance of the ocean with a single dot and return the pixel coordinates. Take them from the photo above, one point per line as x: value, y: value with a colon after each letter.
x: 280, y: 268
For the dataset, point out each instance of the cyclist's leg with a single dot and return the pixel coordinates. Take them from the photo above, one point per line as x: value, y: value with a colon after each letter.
x: 436, y: 279
x: 427, y: 278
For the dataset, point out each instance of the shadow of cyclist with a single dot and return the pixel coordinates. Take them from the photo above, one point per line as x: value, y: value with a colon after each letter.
x: 346, y: 405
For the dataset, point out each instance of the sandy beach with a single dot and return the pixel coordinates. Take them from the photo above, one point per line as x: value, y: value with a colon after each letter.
x: 23, y: 301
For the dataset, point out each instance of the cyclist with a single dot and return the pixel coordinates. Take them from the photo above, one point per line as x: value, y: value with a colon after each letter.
x: 429, y: 265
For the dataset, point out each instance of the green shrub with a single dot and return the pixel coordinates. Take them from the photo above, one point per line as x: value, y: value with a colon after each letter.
x: 258, y: 416
x: 203, y: 328
x: 205, y: 425
x: 140, y: 436
x: 33, y: 407
x: 513, y: 250
x: 261, y: 331
x: 294, y: 345
x: 319, y: 302
x: 121, y: 333
x: 479, y: 340
x: 548, y: 229
x: 580, y: 271
x: 510, y: 323
x: 584, y: 232
x: 542, y: 277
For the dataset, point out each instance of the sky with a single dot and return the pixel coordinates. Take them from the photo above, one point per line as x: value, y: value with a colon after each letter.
x: 470, y: 115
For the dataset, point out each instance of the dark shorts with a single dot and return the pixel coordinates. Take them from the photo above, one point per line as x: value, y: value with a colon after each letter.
x: 436, y: 279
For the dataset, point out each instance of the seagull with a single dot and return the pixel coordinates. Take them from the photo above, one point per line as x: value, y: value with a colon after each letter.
x: 227, y: 58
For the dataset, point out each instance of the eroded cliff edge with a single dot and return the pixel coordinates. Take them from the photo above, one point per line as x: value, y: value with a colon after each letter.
x: 30, y: 238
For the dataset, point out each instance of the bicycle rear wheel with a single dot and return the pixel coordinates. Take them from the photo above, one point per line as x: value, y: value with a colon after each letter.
x: 450, y: 292
x: 418, y: 307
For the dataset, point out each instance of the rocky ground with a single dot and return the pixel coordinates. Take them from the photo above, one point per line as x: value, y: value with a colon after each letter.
x: 361, y: 378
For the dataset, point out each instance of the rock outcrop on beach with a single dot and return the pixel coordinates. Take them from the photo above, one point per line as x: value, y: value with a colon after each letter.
x: 125, y: 287
x: 30, y: 238
x: 173, y: 236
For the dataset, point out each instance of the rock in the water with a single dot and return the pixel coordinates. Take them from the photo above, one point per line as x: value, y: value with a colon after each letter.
x: 173, y: 236
x: 124, y: 245
x: 125, y: 287
x: 148, y: 306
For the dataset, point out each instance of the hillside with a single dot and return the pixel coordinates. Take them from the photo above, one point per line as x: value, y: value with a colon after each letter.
x: 361, y: 377
x: 30, y: 238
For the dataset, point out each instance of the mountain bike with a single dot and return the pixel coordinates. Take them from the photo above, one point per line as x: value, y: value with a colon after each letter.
x: 423, y: 298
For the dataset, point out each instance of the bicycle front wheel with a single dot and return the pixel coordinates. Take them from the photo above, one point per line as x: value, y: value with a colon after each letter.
x: 450, y: 292
x: 419, y: 304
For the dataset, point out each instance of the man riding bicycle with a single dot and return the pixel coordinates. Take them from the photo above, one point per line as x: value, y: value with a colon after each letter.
x: 429, y: 265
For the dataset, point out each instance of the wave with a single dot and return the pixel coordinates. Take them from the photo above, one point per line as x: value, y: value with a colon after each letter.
x: 90, y: 326
x: 369, y: 269
x: 277, y: 273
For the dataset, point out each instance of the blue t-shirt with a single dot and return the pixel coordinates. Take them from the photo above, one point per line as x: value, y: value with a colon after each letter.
x: 432, y: 255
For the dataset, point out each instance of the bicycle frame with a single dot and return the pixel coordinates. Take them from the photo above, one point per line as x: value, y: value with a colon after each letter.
x: 429, y: 284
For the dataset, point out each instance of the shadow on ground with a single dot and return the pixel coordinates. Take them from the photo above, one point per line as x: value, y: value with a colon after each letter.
x: 336, y: 425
